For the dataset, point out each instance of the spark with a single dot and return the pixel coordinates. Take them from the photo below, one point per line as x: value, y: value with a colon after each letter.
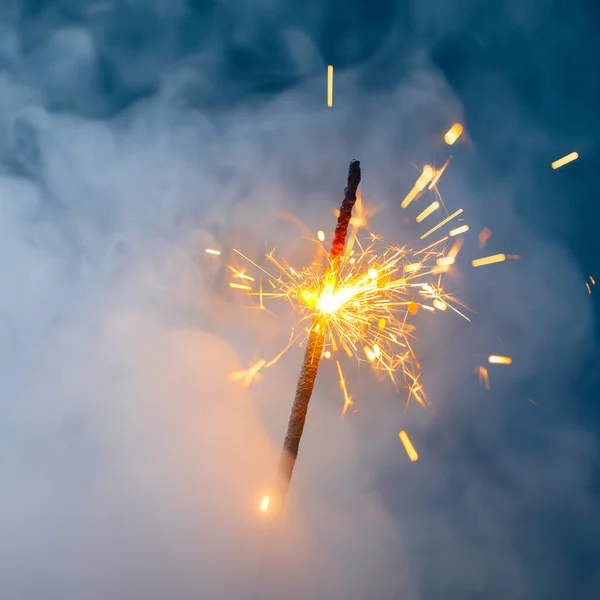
x: 441, y: 224
x: 321, y: 236
x: 489, y: 260
x: 437, y: 174
x: 239, y: 286
x: 240, y: 274
x: 347, y: 399
x: 458, y: 230
x: 499, y: 360
x: 419, y: 186
x: 589, y: 289
x: 484, y: 378
x: 431, y: 208
x: 408, y: 446
x: 561, y: 162
x: 330, y: 86
x: 265, y: 503
x: 484, y: 235
x: 453, y: 133
x: 249, y: 375
x: 211, y: 251
x: 592, y: 280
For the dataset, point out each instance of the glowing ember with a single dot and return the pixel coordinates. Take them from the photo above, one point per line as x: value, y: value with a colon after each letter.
x: 321, y: 236
x: 499, y: 360
x: 561, y: 162
x: 211, y: 251
x: 453, y: 134
x: 410, y: 449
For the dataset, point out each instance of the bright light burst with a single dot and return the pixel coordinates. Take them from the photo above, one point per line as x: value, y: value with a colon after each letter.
x: 367, y: 306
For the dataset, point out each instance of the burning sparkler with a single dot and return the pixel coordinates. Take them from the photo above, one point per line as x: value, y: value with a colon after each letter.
x: 363, y: 304
x: 325, y: 305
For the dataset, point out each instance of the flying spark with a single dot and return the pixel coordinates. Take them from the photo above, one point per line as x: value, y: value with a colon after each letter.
x: 330, y: 86
x: 431, y: 208
x: 565, y: 160
x: 419, y: 186
x: 410, y: 449
x: 211, y: 251
x: 489, y: 260
x: 484, y: 236
x: 484, y: 378
x: 499, y: 360
x: 458, y: 230
x: 446, y: 220
x: 453, y: 134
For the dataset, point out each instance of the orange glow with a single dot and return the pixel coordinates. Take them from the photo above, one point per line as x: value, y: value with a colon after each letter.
x: 499, y: 360
x: 410, y: 449
x: 484, y: 378
x: 265, y: 503
x: 453, y: 134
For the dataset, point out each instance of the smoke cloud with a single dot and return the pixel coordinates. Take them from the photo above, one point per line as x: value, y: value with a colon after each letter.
x: 134, y: 135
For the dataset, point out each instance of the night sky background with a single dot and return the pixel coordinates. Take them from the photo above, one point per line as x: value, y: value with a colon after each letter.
x: 504, y: 502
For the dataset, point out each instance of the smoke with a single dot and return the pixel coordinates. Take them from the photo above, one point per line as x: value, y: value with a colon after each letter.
x: 134, y: 135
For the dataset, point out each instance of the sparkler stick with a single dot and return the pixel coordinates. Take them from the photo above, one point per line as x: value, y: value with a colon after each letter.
x: 316, y: 339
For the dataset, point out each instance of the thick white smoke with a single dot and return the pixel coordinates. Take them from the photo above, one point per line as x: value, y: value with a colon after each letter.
x: 130, y: 465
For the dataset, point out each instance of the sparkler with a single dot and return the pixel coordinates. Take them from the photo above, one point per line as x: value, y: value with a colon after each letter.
x: 316, y: 338
x: 363, y: 304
